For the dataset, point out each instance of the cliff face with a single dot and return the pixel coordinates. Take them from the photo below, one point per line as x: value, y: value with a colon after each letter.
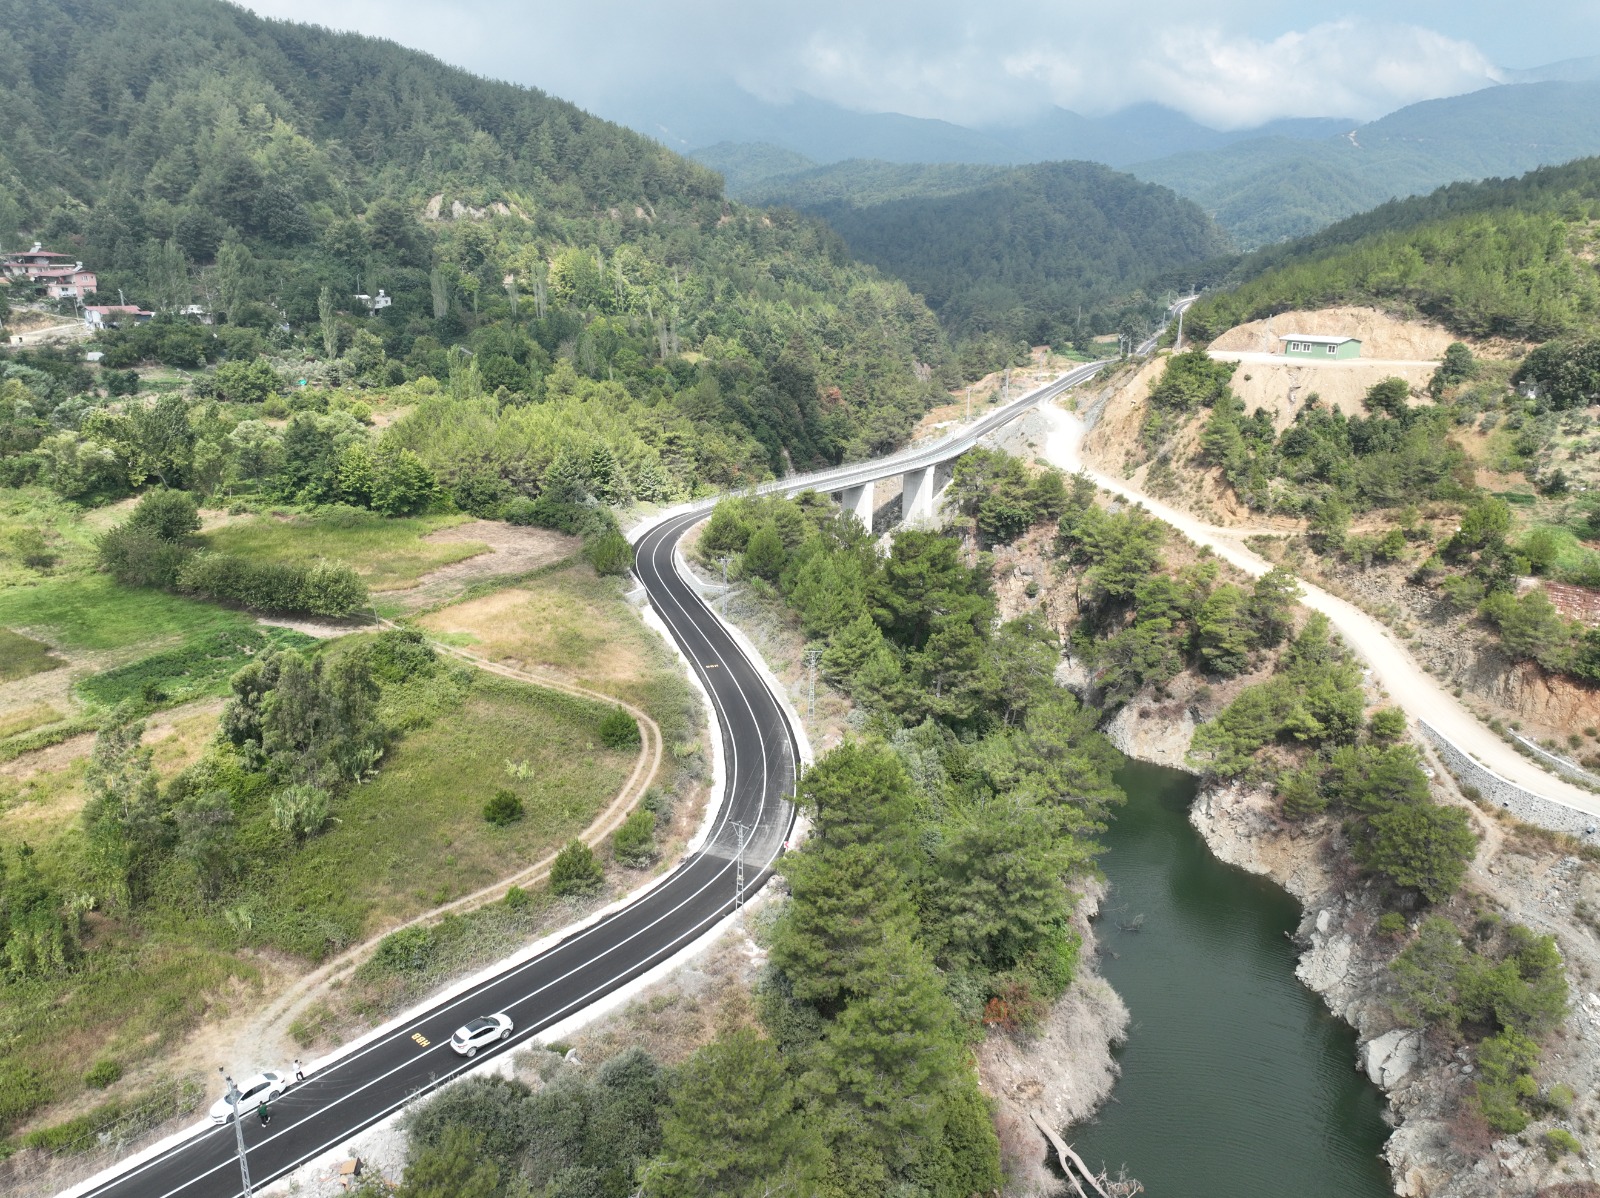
x: 1438, y: 1149
x: 1060, y: 1072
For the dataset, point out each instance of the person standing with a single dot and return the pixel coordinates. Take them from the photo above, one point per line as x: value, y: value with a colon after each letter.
x: 262, y: 1114
x: 299, y: 1073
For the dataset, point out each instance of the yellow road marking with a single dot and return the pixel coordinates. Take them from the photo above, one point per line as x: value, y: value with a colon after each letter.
x: 420, y: 1039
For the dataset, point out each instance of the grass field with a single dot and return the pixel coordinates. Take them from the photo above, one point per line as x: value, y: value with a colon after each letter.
x: 414, y: 837
x: 571, y: 622
x: 21, y: 655
x: 90, y: 612
x: 389, y: 554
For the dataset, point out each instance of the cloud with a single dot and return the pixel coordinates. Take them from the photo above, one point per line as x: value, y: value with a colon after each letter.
x: 1349, y: 67
x: 973, y: 64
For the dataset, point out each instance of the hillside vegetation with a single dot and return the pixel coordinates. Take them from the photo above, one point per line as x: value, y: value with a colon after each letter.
x: 1053, y: 253
x: 1504, y: 258
x: 271, y: 172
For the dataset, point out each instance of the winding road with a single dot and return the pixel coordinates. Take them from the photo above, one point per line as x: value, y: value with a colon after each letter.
x: 371, y: 1080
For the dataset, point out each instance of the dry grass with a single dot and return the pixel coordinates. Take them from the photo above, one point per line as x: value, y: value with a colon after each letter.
x: 570, y: 623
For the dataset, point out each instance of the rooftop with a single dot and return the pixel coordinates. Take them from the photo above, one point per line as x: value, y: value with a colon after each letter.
x: 1315, y: 338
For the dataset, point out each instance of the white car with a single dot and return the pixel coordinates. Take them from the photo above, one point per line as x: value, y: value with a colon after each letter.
x: 480, y: 1032
x: 253, y: 1091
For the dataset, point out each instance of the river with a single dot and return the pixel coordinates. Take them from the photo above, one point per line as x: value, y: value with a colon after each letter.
x: 1236, y: 1081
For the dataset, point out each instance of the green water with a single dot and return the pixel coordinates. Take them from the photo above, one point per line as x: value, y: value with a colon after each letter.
x: 1236, y: 1081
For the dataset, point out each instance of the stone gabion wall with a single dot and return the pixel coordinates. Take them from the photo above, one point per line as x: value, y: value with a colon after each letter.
x: 1523, y: 803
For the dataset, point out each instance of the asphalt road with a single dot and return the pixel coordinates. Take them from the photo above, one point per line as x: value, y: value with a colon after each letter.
x: 760, y: 752
x: 370, y: 1083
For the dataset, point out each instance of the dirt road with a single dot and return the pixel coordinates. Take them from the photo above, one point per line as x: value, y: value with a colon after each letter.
x: 1393, y: 667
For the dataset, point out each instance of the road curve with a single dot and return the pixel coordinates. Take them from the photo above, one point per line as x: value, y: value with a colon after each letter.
x: 375, y: 1079
x: 370, y: 1081
x: 1412, y: 688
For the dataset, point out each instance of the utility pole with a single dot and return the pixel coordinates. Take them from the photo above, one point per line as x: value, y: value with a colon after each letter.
x: 738, y: 868
x: 1177, y: 344
x: 238, y: 1130
x: 813, y: 655
x: 969, y: 401
x: 1008, y: 386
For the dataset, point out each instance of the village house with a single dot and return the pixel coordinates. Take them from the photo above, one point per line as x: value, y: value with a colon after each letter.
x: 67, y: 282
x: 102, y: 316
x: 26, y: 264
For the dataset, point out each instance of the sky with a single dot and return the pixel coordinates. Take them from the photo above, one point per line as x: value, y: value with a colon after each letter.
x: 1228, y: 63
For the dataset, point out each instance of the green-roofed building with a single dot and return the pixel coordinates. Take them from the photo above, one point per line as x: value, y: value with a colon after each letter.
x: 1313, y: 347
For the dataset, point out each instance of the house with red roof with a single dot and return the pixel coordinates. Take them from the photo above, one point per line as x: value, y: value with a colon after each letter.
x: 102, y: 316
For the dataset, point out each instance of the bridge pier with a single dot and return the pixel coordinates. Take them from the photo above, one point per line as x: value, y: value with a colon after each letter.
x: 920, y: 491
x: 859, y: 502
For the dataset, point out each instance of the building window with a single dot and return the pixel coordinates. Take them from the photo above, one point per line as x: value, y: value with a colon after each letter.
x: 1332, y: 348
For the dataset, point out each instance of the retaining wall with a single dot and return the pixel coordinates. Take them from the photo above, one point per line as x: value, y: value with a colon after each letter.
x: 1523, y: 803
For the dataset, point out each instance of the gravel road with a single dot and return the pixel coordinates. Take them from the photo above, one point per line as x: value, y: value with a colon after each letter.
x: 1396, y: 671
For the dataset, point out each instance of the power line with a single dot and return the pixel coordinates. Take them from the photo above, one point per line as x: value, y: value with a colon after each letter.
x: 738, y: 869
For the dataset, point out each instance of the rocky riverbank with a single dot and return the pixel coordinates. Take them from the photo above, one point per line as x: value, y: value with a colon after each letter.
x: 1060, y: 1072
x: 1440, y: 1148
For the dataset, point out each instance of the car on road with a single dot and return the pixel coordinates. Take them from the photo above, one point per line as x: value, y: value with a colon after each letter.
x: 253, y: 1091
x: 483, y: 1031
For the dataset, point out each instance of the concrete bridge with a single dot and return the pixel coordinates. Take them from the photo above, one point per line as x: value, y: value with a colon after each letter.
x: 924, y: 469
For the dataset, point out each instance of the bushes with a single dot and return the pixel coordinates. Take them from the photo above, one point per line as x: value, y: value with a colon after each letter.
x: 323, y: 589
x: 618, y: 730
x: 407, y: 951
x: 576, y: 871
x: 503, y: 810
x: 609, y: 553
x: 102, y: 1074
x: 634, y: 843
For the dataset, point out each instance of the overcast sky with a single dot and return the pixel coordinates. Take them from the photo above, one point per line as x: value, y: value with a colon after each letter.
x: 1228, y: 63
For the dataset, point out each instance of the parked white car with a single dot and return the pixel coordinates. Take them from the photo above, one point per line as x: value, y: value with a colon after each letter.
x: 253, y: 1091
x: 479, y: 1033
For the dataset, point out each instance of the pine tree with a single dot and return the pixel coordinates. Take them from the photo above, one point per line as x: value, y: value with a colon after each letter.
x: 735, y: 1128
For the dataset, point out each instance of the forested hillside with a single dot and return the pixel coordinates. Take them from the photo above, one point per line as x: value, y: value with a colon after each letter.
x: 1502, y: 258
x: 1050, y: 253
x: 1268, y: 188
x: 191, y: 152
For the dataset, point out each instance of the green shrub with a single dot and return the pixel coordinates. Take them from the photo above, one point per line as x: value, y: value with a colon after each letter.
x: 503, y: 810
x: 1558, y: 1141
x: 634, y: 843
x: 170, y: 515
x: 576, y: 870
x: 407, y: 951
x: 137, y: 557
x: 1387, y: 724
x: 22, y: 1091
x: 102, y: 1074
x: 609, y: 553
x: 1560, y: 1097
x: 1392, y: 925
x: 301, y: 810
x: 517, y: 898
x: 323, y: 589
x: 618, y: 730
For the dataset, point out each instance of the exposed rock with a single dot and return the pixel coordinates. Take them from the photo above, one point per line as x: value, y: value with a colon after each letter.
x: 1391, y: 1057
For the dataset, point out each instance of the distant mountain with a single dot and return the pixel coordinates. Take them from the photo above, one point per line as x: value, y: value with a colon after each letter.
x: 1045, y: 253
x: 1268, y: 189
x: 721, y: 116
x: 1571, y: 70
